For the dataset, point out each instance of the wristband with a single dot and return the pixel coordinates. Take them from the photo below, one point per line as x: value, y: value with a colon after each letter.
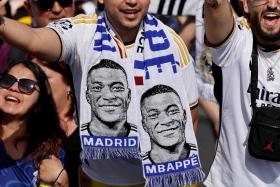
x: 42, y: 184
x: 58, y: 175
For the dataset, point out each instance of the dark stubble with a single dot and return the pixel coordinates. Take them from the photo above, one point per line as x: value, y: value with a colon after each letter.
x: 256, y: 27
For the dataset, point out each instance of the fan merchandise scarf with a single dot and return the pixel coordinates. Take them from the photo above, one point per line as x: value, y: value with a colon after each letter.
x: 150, y: 71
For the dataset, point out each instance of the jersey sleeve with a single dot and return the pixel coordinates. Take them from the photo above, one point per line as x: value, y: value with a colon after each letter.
x: 75, y: 33
x: 224, y: 54
x: 67, y: 32
x: 190, y: 81
x: 188, y: 72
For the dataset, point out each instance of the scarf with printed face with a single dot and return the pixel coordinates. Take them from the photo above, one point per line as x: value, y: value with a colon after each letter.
x: 137, y: 98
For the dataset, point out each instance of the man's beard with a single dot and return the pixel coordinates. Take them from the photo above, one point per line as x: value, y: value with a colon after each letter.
x: 256, y: 27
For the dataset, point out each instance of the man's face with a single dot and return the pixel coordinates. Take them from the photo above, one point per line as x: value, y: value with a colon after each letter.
x: 164, y: 119
x: 265, y: 18
x: 108, y: 94
x: 125, y: 15
x: 44, y: 17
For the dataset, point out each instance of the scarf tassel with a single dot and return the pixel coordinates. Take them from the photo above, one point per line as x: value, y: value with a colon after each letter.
x: 110, y: 153
x: 188, y: 177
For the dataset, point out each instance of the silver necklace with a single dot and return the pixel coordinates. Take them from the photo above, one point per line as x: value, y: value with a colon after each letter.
x: 270, y: 76
x: 271, y: 64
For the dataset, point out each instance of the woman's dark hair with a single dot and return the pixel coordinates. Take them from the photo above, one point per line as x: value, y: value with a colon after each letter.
x: 44, y: 134
x: 65, y: 71
x: 61, y: 68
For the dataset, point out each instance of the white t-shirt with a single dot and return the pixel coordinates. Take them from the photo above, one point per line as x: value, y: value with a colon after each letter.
x: 233, y: 166
x: 77, y: 36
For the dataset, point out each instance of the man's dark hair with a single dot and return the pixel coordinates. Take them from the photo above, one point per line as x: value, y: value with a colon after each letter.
x: 106, y: 63
x: 158, y: 89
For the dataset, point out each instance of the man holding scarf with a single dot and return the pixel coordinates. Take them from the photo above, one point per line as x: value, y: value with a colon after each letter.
x: 151, y: 54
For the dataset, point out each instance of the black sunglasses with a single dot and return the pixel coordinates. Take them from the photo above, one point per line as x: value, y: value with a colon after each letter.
x: 48, y: 4
x: 26, y: 86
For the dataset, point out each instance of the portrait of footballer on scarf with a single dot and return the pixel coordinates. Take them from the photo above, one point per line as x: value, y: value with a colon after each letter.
x: 164, y: 120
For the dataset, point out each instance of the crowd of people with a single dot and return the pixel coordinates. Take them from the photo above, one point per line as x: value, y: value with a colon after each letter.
x: 104, y: 93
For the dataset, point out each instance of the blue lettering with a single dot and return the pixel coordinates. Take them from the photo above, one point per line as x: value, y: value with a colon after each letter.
x: 100, y: 44
x: 87, y: 141
x: 103, y: 141
x: 171, y: 167
x: 157, y: 46
x: 151, y: 21
x: 157, y: 61
x: 150, y: 169
x: 194, y: 161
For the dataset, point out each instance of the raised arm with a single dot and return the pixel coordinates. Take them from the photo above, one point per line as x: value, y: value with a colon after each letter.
x: 42, y: 42
x: 218, y: 20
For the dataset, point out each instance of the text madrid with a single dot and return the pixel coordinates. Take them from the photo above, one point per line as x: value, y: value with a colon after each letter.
x: 100, y: 141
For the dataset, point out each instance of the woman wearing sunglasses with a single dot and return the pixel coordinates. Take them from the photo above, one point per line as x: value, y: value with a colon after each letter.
x: 29, y: 129
x: 60, y: 79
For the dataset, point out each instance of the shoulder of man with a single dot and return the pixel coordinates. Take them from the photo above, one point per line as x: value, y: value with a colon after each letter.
x: 85, y: 19
x: 66, y: 24
x: 242, y: 23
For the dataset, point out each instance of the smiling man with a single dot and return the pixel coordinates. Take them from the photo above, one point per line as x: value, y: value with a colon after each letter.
x: 149, y: 52
x: 109, y: 96
x: 164, y: 119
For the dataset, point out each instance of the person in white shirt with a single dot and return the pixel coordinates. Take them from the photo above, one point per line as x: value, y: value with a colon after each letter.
x: 231, y: 47
x: 71, y: 40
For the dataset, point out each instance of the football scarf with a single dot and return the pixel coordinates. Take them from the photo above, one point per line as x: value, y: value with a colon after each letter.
x: 138, y: 104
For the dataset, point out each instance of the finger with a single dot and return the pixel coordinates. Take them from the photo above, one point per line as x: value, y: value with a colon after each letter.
x: 3, y: 2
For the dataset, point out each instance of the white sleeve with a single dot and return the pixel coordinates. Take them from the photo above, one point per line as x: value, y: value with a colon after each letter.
x: 67, y: 32
x: 189, y: 78
x: 188, y: 72
x: 225, y: 54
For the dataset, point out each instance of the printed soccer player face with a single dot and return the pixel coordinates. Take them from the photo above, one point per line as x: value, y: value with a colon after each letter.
x: 265, y: 18
x: 108, y: 94
x: 125, y: 15
x: 12, y: 101
x: 164, y: 119
x: 43, y: 17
